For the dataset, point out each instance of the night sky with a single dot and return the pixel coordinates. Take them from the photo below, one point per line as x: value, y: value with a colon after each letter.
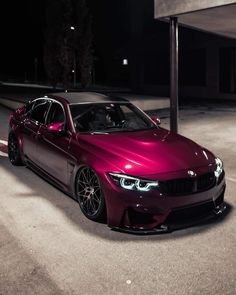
x: 22, y: 33
x: 22, y: 25
x: 22, y: 40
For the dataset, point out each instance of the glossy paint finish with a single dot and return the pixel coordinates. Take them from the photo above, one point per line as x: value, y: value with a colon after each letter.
x: 55, y: 127
x: 155, y: 154
x: 147, y: 153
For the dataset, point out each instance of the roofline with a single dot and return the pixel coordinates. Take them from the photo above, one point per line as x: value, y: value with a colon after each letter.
x: 100, y: 102
x: 113, y: 99
x: 160, y: 15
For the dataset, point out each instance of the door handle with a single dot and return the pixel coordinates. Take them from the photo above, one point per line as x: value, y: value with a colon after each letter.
x: 39, y: 134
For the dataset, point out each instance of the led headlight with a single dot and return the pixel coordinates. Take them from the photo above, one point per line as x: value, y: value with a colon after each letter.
x: 219, y: 167
x: 133, y: 183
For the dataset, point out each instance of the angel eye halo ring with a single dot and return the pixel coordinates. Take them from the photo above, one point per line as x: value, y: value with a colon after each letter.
x: 133, y: 183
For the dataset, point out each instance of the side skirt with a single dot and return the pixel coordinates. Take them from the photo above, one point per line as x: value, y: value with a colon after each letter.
x: 49, y: 178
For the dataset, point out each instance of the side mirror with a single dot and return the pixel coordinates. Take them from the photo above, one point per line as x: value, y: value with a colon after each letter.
x: 156, y: 121
x: 20, y: 110
x: 58, y: 127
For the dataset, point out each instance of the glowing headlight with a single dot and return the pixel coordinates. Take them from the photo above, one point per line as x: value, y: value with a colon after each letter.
x: 133, y: 183
x: 219, y: 167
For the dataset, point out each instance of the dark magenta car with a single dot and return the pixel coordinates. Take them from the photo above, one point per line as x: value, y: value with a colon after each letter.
x: 117, y: 162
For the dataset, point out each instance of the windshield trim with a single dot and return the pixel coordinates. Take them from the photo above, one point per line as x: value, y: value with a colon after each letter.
x: 117, y: 131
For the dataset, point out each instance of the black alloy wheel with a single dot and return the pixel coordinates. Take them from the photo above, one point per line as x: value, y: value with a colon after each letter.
x: 89, y: 194
x: 14, y: 151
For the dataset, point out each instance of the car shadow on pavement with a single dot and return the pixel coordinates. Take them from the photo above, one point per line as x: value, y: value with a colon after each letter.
x: 30, y: 277
x: 38, y: 187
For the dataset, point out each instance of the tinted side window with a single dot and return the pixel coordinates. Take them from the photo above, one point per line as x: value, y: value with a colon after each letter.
x: 29, y: 107
x: 39, y: 111
x: 56, y: 114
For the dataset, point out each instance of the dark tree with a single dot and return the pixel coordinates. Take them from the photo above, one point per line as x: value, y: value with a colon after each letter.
x: 83, y: 41
x: 64, y: 39
x: 64, y: 46
x: 58, y: 51
x: 52, y: 67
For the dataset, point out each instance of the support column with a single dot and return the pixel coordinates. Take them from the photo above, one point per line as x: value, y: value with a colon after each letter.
x: 174, y: 74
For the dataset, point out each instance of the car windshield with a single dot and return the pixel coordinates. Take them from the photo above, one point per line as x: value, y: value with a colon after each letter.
x: 109, y: 117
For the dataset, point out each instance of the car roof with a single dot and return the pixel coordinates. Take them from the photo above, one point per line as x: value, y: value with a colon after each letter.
x: 86, y: 97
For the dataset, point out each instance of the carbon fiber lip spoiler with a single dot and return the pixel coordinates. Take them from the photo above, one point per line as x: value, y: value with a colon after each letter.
x: 168, y: 228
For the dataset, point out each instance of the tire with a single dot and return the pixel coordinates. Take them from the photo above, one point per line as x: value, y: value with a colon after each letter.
x: 89, y: 194
x: 14, y: 150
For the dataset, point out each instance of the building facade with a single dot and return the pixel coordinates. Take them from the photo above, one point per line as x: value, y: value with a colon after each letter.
x: 207, y: 61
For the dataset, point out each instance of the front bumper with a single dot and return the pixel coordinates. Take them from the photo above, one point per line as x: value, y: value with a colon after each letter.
x: 168, y: 228
x: 151, y: 212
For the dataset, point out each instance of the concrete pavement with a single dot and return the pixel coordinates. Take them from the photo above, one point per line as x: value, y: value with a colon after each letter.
x: 14, y: 95
x: 144, y: 102
x: 47, y: 246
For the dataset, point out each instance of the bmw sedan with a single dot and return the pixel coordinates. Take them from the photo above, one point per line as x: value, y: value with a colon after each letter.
x: 117, y: 162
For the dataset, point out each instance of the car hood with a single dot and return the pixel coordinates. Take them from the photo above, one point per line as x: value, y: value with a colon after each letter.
x: 147, y: 152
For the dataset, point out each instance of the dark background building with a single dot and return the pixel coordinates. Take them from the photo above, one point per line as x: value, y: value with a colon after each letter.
x: 124, y: 29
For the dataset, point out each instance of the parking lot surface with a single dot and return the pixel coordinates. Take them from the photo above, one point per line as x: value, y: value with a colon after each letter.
x: 47, y: 246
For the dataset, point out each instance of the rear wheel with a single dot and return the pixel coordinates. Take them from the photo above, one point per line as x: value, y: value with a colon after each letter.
x: 14, y: 150
x: 89, y: 194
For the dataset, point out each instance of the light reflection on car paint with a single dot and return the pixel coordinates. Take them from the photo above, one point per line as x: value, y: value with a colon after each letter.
x: 3, y: 148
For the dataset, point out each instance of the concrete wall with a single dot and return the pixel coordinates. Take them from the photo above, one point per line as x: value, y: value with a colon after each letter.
x: 164, y: 8
x: 212, y: 88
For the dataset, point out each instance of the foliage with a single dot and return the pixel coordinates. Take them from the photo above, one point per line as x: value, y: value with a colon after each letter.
x: 62, y: 44
x: 83, y: 41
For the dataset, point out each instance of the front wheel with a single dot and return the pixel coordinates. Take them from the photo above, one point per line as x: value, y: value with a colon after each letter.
x: 14, y: 150
x: 89, y: 194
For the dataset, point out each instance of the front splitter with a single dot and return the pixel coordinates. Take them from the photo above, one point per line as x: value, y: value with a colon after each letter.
x: 168, y: 228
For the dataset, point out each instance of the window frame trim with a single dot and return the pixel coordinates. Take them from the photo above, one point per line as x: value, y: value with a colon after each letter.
x: 33, y: 120
x: 51, y: 100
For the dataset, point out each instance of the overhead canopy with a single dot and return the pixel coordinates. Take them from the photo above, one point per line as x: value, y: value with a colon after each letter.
x: 216, y: 16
